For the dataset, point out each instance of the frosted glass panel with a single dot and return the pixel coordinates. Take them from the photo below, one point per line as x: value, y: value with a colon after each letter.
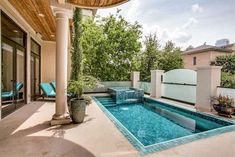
x: 180, y: 84
x: 146, y: 86
x: 179, y: 92
x: 106, y: 84
x: 184, y: 76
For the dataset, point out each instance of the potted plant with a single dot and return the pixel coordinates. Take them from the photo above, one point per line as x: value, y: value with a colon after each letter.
x: 78, y: 82
x: 78, y: 102
x: 223, y: 105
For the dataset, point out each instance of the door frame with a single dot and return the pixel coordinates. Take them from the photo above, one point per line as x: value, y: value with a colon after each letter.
x: 33, y: 54
x: 16, y: 47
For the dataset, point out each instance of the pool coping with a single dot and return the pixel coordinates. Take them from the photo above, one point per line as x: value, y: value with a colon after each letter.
x: 144, y: 150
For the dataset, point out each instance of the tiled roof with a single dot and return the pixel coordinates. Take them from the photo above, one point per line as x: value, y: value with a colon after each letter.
x: 205, y: 48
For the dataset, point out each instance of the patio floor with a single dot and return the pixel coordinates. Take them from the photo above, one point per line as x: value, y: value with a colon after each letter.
x: 27, y: 132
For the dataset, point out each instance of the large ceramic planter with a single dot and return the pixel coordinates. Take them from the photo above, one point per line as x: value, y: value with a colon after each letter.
x: 78, y: 110
x: 224, y: 110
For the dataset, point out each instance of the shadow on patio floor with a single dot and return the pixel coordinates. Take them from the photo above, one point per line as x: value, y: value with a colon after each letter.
x: 23, y: 134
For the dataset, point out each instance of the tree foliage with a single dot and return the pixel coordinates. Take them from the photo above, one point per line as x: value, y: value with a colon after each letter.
x: 78, y: 82
x: 227, y: 62
x: 76, y: 51
x: 170, y: 58
x: 154, y: 57
x: 228, y: 69
x: 111, y: 48
x: 150, y: 56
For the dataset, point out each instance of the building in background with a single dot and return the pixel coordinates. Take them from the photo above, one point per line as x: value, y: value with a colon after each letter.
x: 203, y: 55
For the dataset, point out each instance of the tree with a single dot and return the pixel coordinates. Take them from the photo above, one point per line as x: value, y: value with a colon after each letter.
x: 154, y: 57
x: 170, y: 58
x: 111, y: 48
x: 227, y: 62
x: 78, y: 82
x: 149, y: 56
x: 228, y: 69
x: 76, y: 51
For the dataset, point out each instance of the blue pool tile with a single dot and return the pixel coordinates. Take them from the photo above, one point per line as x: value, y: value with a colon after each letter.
x: 218, y: 126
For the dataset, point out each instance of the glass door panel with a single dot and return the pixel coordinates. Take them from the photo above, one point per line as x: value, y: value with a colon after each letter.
x: 35, y: 69
x: 13, y: 43
x: 20, y: 77
x: 7, y: 79
x: 37, y: 76
x: 32, y: 66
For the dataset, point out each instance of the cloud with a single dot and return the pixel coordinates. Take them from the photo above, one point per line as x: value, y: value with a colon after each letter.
x: 196, y: 8
x: 191, y: 21
x: 181, y: 36
x: 165, y: 34
x: 133, y: 11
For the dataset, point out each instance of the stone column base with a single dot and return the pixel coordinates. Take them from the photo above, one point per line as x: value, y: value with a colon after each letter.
x: 61, y: 120
x: 202, y: 109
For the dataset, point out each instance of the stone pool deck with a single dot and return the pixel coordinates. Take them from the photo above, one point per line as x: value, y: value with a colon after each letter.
x: 27, y: 133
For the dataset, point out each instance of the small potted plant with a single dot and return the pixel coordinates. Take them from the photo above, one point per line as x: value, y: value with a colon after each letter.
x: 78, y: 102
x: 78, y: 81
x: 224, y: 105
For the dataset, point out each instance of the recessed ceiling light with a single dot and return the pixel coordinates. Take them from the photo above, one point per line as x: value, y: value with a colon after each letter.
x: 52, y: 35
x: 41, y: 15
x: 15, y: 31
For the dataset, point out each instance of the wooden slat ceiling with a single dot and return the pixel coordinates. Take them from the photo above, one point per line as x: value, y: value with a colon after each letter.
x: 96, y: 3
x: 39, y: 15
x: 31, y: 11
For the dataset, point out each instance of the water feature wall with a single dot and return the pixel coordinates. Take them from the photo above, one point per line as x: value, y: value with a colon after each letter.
x: 126, y: 95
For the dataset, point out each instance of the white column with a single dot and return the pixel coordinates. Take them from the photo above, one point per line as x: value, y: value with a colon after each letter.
x: 208, y: 79
x: 156, y: 81
x: 135, y: 78
x: 61, y: 115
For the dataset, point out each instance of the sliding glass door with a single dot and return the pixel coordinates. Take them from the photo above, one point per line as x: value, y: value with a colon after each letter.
x: 13, y: 65
x: 35, y: 69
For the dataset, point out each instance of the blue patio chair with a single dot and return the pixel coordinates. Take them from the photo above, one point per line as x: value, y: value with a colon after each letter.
x: 48, y: 90
x: 53, y: 84
x: 19, y: 86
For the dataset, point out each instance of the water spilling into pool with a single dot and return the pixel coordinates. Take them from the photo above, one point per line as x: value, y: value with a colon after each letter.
x: 123, y: 95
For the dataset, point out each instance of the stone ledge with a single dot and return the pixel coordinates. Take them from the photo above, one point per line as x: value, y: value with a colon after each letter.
x: 61, y: 121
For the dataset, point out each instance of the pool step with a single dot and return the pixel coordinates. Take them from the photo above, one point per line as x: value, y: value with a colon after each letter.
x: 107, y: 101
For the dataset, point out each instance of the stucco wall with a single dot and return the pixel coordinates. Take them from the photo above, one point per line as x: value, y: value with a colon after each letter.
x: 203, y: 59
x: 48, y: 61
x: 48, y: 52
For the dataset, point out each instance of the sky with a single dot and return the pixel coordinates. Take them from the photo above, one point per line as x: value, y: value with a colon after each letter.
x: 185, y: 22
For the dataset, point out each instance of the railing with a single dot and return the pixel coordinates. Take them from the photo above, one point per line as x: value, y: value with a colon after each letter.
x: 180, y: 84
x: 179, y: 91
x: 146, y: 86
x: 104, y: 85
x: 226, y: 91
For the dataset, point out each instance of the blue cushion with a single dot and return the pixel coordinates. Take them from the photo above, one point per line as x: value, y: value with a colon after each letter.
x: 7, y: 94
x: 47, y: 89
x: 19, y: 85
x: 53, y: 84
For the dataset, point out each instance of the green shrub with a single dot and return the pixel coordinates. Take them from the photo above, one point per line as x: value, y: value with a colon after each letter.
x: 227, y: 62
x: 228, y: 69
x: 228, y: 80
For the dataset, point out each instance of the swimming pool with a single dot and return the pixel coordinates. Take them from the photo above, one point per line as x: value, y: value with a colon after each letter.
x: 152, y: 126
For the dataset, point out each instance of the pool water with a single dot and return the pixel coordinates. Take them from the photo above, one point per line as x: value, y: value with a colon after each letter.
x: 152, y: 122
